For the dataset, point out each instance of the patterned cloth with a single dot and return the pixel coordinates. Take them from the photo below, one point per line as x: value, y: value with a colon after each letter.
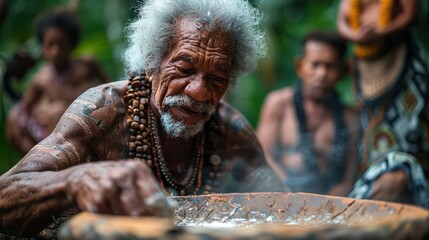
x: 397, y: 127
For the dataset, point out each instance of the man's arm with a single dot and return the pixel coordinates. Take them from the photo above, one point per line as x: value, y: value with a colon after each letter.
x: 268, y: 128
x: 403, y: 19
x: 355, y: 34
x: 55, y: 175
x: 34, y: 190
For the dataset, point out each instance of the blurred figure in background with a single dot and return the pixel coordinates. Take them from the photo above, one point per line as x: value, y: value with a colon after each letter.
x: 309, y: 137
x: 391, y: 77
x: 60, y: 80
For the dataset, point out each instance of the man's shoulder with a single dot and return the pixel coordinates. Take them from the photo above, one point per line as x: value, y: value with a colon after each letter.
x: 279, y: 100
x: 105, y: 93
x: 86, y: 60
x: 231, y: 117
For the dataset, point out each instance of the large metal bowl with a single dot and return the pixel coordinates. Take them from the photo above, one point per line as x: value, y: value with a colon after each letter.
x: 263, y: 216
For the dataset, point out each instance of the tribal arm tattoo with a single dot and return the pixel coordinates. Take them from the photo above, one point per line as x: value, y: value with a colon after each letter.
x: 34, y: 191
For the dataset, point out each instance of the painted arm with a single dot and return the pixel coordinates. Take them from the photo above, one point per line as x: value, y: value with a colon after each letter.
x: 59, y: 172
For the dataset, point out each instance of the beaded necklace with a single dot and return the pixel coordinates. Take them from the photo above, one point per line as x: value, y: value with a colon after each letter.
x: 144, y: 144
x: 340, y: 138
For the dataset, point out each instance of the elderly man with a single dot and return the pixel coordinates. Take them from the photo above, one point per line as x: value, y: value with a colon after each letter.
x: 163, y: 132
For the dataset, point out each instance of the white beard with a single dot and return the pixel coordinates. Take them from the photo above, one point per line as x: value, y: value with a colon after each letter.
x: 178, y: 129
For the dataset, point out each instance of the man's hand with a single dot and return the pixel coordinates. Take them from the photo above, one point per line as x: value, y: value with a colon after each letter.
x: 390, y: 186
x: 120, y: 187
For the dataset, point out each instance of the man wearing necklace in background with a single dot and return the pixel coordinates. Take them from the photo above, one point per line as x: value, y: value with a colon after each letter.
x: 309, y: 137
x: 122, y: 147
x: 391, y: 77
x: 58, y: 83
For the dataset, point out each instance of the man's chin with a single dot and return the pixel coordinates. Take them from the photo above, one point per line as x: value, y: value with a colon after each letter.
x: 179, y: 129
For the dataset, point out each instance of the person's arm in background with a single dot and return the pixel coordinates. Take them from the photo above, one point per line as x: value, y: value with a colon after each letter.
x: 268, y: 128
x: 98, y: 71
x: 403, y: 20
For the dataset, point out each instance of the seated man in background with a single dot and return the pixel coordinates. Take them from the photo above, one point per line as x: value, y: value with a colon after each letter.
x: 309, y: 137
x: 391, y: 77
x: 120, y: 148
x: 60, y: 80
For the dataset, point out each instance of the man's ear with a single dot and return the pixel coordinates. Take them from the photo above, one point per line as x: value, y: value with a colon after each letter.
x: 298, y: 66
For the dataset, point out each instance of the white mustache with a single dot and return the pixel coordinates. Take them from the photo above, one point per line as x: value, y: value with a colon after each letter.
x: 184, y: 100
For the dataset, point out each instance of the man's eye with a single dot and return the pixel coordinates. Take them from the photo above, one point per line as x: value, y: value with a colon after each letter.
x: 186, y: 70
x: 314, y: 64
x: 217, y: 79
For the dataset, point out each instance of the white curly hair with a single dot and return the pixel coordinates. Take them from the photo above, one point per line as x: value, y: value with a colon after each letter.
x: 149, y: 36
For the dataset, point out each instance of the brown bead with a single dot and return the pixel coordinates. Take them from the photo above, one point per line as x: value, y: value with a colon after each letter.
x: 139, y: 138
x: 139, y: 143
x: 145, y: 134
x: 129, y: 121
x: 135, y: 125
x: 143, y: 121
x: 137, y: 78
x: 141, y: 127
x: 139, y: 149
x: 142, y: 114
x: 132, y: 138
x: 132, y: 145
x: 131, y: 94
x: 127, y: 98
x: 141, y: 107
x: 136, y: 111
x: 136, y: 83
x: 136, y: 104
x: 145, y: 148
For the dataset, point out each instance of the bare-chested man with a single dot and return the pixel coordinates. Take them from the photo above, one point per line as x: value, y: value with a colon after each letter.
x: 57, y: 84
x: 309, y: 137
x: 391, y: 76
x: 121, y: 147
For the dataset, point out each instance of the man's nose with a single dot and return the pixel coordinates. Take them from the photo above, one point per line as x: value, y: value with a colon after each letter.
x: 54, y: 50
x: 198, y: 89
x: 321, y: 73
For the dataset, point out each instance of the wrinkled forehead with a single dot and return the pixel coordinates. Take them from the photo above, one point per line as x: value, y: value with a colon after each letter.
x: 190, y: 31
